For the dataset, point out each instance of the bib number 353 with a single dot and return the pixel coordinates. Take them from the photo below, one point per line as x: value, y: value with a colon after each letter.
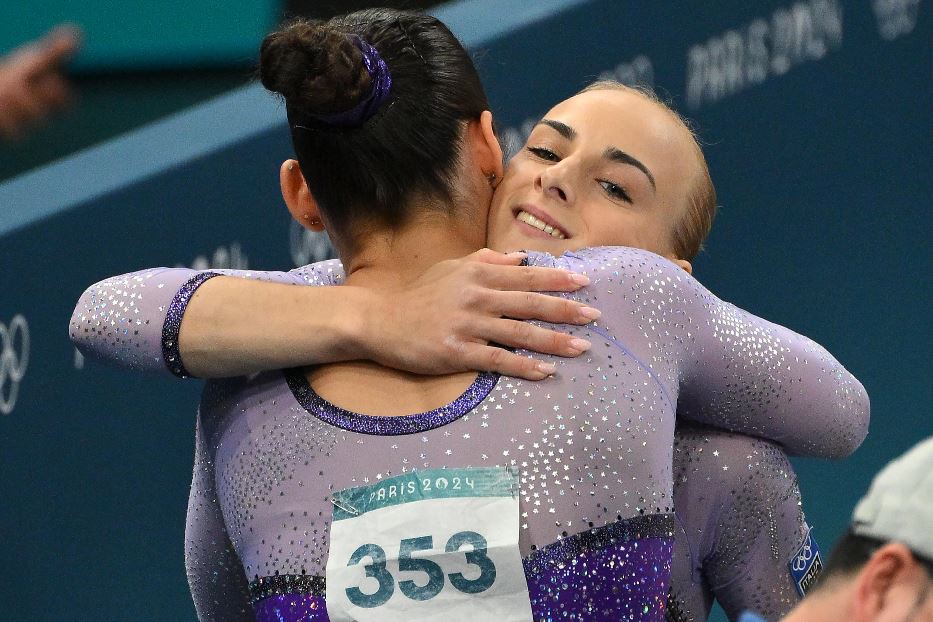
x: 433, y: 572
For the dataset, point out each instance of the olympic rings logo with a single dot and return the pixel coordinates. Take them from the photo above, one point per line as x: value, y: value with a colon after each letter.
x: 803, y: 557
x: 14, y: 358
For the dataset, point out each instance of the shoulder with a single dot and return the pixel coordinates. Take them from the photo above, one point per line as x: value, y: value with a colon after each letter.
x: 327, y: 272
x: 634, y: 268
x: 600, y: 258
x: 227, y: 400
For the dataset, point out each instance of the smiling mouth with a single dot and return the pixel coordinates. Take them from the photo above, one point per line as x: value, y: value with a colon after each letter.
x: 539, y: 224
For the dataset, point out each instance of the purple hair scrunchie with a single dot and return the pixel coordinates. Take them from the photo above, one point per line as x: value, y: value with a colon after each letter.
x: 380, y: 89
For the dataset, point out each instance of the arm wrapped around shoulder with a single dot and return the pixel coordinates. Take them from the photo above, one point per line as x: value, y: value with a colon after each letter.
x: 724, y: 366
x: 749, y: 375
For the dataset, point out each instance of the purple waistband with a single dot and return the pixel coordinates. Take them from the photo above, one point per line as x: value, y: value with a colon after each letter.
x: 291, y: 608
x: 617, y: 572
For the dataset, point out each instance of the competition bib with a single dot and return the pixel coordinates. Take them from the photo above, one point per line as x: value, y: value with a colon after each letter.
x: 436, y: 545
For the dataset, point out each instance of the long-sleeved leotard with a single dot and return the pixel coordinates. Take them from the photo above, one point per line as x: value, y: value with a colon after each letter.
x: 739, y: 525
x: 592, y: 444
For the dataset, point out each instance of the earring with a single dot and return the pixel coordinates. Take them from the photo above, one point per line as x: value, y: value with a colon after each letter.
x: 491, y: 178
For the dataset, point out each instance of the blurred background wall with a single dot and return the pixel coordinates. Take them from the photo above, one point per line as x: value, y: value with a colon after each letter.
x: 816, y: 119
x: 145, y: 59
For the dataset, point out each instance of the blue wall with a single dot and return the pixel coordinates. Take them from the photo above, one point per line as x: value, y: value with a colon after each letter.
x: 147, y: 33
x: 816, y: 119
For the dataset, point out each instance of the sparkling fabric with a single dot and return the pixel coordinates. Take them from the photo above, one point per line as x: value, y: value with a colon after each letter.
x: 172, y: 325
x: 617, y: 572
x: 593, y: 443
x: 291, y: 608
x: 379, y: 93
x: 607, y: 574
x: 127, y: 320
x: 739, y: 522
x: 389, y: 426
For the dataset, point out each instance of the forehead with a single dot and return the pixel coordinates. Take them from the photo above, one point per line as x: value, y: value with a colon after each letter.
x: 627, y: 120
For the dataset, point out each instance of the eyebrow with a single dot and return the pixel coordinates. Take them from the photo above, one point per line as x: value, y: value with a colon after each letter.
x: 617, y: 155
x: 612, y: 153
x: 561, y: 128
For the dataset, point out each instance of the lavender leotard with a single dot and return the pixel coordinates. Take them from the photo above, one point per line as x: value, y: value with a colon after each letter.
x: 739, y: 524
x: 592, y: 444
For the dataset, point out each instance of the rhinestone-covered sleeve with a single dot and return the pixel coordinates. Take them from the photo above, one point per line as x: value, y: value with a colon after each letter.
x: 133, y: 320
x: 724, y: 366
x: 120, y: 320
x: 215, y: 575
x: 749, y: 375
x: 739, y: 507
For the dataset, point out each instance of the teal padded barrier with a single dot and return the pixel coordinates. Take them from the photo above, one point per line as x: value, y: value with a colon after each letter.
x: 142, y: 34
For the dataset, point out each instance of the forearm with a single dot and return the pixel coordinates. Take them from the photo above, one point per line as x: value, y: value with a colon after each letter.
x: 234, y: 326
x: 134, y: 320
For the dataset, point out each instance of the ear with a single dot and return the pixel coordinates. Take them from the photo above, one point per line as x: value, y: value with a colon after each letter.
x: 484, y: 146
x: 302, y: 206
x: 881, y: 582
x: 683, y: 263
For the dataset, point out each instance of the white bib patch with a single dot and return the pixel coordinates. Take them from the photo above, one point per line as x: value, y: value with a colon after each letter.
x: 436, y: 545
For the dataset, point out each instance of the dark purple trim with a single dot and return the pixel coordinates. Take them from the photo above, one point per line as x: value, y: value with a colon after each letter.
x: 618, y: 572
x: 171, y: 355
x: 264, y: 587
x: 291, y: 608
x: 389, y: 426
x: 628, y: 530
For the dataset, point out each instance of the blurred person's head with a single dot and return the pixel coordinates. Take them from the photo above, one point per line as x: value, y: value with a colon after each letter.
x: 882, y: 569
x: 389, y: 122
x: 611, y: 166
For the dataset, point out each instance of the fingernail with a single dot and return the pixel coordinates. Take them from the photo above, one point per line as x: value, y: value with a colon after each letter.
x: 579, y: 279
x: 590, y: 313
x: 547, y: 368
x: 581, y: 345
x: 521, y: 254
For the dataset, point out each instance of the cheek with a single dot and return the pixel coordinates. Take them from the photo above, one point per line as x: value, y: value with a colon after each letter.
x: 621, y: 226
x: 611, y: 226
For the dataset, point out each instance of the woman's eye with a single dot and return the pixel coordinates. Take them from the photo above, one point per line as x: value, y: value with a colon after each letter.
x: 615, y: 191
x: 544, y: 154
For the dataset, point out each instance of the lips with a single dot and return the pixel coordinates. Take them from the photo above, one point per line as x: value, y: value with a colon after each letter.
x: 537, y: 219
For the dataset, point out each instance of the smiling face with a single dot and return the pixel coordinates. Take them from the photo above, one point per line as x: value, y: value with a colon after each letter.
x: 606, y: 167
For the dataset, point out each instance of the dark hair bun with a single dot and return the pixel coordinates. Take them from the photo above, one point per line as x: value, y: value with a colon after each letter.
x: 317, y: 69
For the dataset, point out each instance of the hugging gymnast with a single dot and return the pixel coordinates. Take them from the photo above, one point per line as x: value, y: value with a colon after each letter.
x: 282, y: 455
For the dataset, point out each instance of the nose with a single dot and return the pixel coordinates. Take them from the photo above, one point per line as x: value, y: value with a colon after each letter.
x: 554, y: 182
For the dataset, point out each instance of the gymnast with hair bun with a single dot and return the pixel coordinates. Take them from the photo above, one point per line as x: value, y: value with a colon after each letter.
x: 323, y: 491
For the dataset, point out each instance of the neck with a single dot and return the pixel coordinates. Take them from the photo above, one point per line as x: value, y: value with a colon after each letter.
x: 391, y: 258
x: 819, y: 607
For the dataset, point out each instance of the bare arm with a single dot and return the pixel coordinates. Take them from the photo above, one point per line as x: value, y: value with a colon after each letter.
x: 223, y: 326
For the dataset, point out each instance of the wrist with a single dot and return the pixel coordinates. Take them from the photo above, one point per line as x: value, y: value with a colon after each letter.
x: 354, y: 321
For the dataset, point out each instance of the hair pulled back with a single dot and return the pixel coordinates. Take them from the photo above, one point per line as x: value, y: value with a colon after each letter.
x: 411, y: 145
x: 700, y: 211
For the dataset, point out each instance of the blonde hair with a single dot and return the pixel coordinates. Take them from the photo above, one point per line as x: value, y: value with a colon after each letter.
x: 700, y: 209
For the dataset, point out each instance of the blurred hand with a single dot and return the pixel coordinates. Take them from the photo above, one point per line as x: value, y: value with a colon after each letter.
x: 31, y: 82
